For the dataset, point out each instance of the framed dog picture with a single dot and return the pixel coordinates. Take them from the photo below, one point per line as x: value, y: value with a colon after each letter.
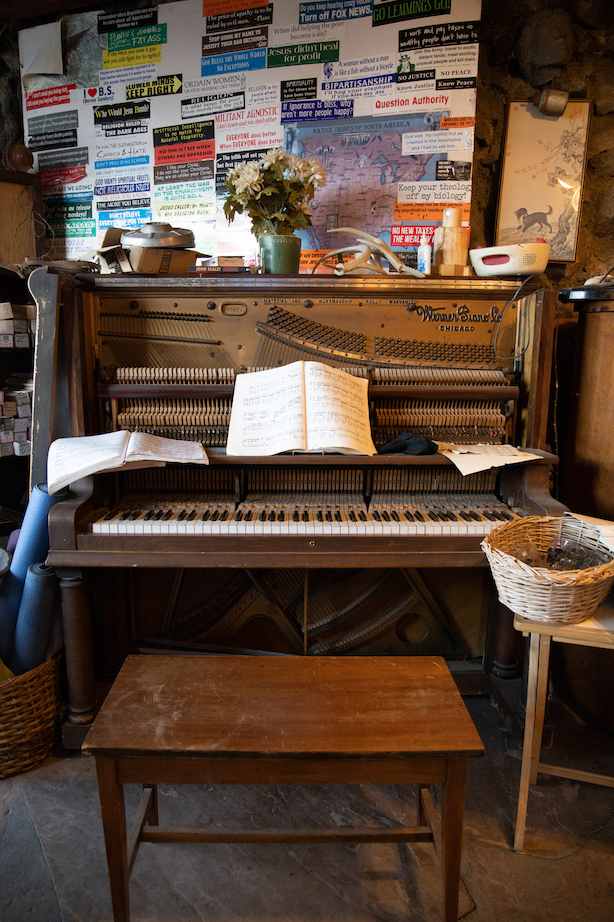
x: 542, y: 177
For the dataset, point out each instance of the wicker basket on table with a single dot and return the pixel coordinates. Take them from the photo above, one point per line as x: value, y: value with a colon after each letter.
x: 29, y: 715
x: 541, y: 594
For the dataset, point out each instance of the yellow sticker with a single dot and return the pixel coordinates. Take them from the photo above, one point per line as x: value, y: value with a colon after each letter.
x: 150, y: 54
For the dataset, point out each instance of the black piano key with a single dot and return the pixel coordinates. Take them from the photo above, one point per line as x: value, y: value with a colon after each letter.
x: 395, y: 516
x: 408, y: 515
x: 248, y: 516
x: 262, y: 516
x: 376, y: 516
x: 305, y: 516
x: 433, y: 515
x: 418, y: 516
x: 362, y: 516
x: 205, y: 516
x: 192, y: 515
x: 352, y: 516
x: 109, y: 516
x: 385, y: 516
x: 237, y: 516
x: 182, y: 515
x: 295, y: 516
x: 491, y: 516
x: 329, y: 515
x: 272, y: 516
x: 224, y: 515
x: 507, y: 516
x: 280, y: 516
x: 135, y: 515
x: 475, y: 516
x: 337, y: 516
x: 125, y: 515
x: 319, y: 516
x: 158, y: 515
x: 149, y: 515
x: 167, y: 515
x: 465, y: 515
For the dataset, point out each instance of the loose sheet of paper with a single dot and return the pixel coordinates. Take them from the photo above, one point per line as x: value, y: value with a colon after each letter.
x: 605, y: 526
x: 268, y: 413
x: 337, y: 403
x: 470, y: 459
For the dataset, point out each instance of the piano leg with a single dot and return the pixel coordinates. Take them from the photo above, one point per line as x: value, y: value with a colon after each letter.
x: 76, y: 617
x: 504, y: 647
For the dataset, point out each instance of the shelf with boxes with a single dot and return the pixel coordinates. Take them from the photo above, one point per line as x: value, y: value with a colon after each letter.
x: 17, y: 330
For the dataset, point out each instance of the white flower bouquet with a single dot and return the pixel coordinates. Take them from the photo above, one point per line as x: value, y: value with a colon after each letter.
x: 274, y: 191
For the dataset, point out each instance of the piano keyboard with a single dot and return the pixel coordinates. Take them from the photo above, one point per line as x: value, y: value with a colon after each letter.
x: 453, y: 515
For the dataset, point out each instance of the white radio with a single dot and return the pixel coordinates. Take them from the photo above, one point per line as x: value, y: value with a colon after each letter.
x: 515, y: 259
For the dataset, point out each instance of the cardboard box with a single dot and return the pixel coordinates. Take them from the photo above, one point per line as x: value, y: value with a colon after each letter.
x: 19, y: 396
x: 19, y: 326
x: 22, y: 449
x: 159, y: 261
x: 6, y: 435
x: 9, y: 408
x: 24, y: 311
x: 7, y: 341
x: 6, y: 310
x: 21, y: 424
x: 22, y: 340
x: 7, y: 422
x: 7, y: 326
x: 6, y: 449
x: 116, y: 259
x: 24, y: 411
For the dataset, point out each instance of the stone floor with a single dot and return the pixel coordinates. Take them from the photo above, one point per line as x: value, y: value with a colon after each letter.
x: 52, y: 865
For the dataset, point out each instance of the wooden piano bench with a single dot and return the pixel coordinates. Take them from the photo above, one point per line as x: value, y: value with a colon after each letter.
x: 282, y: 720
x: 597, y: 631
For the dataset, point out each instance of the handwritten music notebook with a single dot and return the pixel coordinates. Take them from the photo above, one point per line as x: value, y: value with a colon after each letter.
x: 304, y: 406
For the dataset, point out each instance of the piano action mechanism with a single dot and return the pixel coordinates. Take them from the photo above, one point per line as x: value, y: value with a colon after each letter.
x: 307, y: 554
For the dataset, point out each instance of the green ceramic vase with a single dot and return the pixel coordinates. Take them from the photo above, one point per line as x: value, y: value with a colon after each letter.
x: 280, y: 253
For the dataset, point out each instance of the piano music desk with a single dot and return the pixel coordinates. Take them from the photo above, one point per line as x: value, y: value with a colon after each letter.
x: 282, y: 720
x: 597, y: 631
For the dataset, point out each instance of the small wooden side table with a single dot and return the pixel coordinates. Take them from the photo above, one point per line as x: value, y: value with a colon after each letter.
x: 597, y: 631
x: 282, y: 720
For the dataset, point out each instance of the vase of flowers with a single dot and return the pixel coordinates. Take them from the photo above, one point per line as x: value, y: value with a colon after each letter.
x: 275, y: 192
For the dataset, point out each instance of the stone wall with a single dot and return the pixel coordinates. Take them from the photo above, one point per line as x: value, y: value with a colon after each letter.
x: 11, y: 123
x: 589, y: 73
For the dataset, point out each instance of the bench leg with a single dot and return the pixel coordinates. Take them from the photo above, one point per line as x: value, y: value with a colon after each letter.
x: 113, y: 813
x: 452, y: 810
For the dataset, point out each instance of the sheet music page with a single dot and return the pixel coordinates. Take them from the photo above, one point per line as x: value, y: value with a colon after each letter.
x: 337, y: 411
x: 70, y: 459
x: 268, y: 412
x: 144, y: 447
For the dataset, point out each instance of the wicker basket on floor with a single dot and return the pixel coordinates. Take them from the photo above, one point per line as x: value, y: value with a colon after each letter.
x: 559, y: 596
x: 29, y: 715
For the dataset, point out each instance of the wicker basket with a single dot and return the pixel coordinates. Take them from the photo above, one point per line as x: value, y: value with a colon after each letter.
x: 29, y: 714
x: 560, y: 596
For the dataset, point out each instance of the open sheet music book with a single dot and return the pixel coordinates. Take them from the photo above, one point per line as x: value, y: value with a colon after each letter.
x: 304, y: 406
x: 70, y: 459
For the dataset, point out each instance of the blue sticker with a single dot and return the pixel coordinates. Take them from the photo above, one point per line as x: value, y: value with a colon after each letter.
x: 255, y: 59
x: 133, y: 217
x: 113, y: 164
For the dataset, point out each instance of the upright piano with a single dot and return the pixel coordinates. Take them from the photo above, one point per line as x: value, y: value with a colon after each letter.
x: 330, y: 546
